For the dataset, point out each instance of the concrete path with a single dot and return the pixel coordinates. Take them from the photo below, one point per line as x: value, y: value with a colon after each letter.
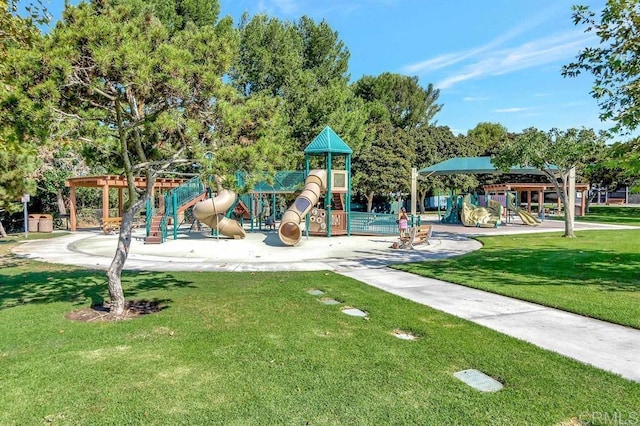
x: 607, y: 346
x: 604, y: 345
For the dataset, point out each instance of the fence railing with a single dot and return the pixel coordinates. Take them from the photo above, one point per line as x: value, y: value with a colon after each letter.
x: 373, y: 223
x: 182, y: 195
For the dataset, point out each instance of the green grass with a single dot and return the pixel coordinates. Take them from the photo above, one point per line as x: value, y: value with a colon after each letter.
x: 612, y: 214
x: 12, y: 238
x: 596, y: 274
x: 240, y: 348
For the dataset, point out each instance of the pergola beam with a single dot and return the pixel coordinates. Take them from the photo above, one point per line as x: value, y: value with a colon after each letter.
x: 107, y: 182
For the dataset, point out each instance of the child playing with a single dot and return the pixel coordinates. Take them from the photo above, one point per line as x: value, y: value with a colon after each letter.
x: 403, y: 224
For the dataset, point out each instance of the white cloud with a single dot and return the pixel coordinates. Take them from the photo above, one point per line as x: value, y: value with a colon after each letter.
x: 287, y: 7
x: 476, y: 98
x: 295, y: 8
x: 510, y: 110
x: 448, y: 59
x: 528, y: 55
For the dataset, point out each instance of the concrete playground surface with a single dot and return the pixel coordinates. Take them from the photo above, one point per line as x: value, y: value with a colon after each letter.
x: 365, y: 258
x: 263, y: 251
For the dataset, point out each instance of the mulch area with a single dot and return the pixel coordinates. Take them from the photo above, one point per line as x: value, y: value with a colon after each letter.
x: 101, y: 312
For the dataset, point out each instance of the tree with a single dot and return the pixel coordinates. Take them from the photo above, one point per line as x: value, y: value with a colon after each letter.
x: 487, y: 137
x: 433, y: 145
x: 145, y: 80
x: 305, y: 65
x: 385, y: 167
x: 407, y: 104
x: 626, y: 157
x: 20, y: 129
x: 617, y: 167
x: 557, y: 153
x: 614, y: 62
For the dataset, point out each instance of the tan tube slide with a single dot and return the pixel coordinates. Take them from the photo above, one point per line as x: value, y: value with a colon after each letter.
x: 290, y: 231
x: 212, y: 213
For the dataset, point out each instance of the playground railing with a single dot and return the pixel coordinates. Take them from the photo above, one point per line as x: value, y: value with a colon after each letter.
x: 373, y: 223
x: 182, y: 195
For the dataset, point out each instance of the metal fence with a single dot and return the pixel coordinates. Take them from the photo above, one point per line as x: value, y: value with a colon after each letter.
x: 373, y: 223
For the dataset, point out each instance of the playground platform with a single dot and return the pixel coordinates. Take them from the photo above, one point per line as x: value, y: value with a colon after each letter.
x: 607, y: 346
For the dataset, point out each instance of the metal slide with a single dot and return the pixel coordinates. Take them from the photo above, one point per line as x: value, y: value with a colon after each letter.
x: 527, y: 218
x: 290, y: 231
x: 212, y: 213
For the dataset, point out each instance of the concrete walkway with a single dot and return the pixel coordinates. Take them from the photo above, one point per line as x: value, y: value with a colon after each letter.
x: 607, y: 346
x: 604, y: 345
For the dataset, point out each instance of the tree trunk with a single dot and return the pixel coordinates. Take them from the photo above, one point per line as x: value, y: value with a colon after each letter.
x: 422, y: 195
x: 562, y: 196
x: 62, y: 209
x: 568, y: 217
x: 114, y: 273
x: 3, y: 234
x: 369, y: 197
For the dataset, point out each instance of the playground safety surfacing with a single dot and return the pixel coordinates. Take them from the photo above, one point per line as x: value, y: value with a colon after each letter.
x: 263, y: 251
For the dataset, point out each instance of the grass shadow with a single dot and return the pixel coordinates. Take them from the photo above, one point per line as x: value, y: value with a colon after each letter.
x: 78, y: 286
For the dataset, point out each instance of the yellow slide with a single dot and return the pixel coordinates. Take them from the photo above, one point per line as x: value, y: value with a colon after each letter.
x: 527, y: 218
x: 290, y: 232
x: 212, y: 213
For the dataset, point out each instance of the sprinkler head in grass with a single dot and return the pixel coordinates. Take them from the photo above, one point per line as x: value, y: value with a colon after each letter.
x: 404, y: 335
x: 354, y: 312
x: 478, y: 380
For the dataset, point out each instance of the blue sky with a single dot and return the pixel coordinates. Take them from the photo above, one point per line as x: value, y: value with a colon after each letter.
x: 494, y: 60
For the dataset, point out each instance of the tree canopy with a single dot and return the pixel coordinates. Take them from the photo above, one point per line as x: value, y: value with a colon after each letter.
x: 557, y: 153
x: 21, y: 126
x: 614, y: 62
x: 404, y: 102
x: 144, y: 80
x: 304, y: 64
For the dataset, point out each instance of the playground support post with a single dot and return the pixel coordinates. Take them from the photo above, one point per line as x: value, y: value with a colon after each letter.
x: 414, y: 190
x: 25, y: 201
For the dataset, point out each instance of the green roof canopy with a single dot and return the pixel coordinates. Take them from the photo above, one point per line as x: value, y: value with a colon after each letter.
x: 327, y: 141
x: 473, y: 165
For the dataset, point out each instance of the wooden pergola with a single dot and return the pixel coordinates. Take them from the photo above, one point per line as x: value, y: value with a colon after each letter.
x: 540, y: 189
x: 107, y: 182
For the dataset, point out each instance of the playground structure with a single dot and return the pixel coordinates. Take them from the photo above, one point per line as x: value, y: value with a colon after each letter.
x: 508, y: 195
x: 322, y: 206
x: 484, y: 217
x: 106, y: 183
x: 212, y: 212
x: 333, y: 216
x: 526, y: 193
x: 290, y: 231
x: 526, y: 217
x: 306, y: 203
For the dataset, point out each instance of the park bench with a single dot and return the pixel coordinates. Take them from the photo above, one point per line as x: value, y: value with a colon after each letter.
x: 111, y: 225
x: 618, y: 201
x: 417, y: 235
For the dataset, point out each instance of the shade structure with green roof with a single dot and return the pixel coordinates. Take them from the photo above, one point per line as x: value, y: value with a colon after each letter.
x: 474, y: 165
x: 327, y: 142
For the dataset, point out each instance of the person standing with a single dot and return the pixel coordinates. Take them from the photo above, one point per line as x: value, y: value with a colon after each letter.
x: 403, y: 223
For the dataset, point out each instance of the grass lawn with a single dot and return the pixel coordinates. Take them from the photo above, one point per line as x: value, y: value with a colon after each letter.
x: 609, y: 214
x: 612, y: 214
x: 596, y: 274
x: 256, y: 348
